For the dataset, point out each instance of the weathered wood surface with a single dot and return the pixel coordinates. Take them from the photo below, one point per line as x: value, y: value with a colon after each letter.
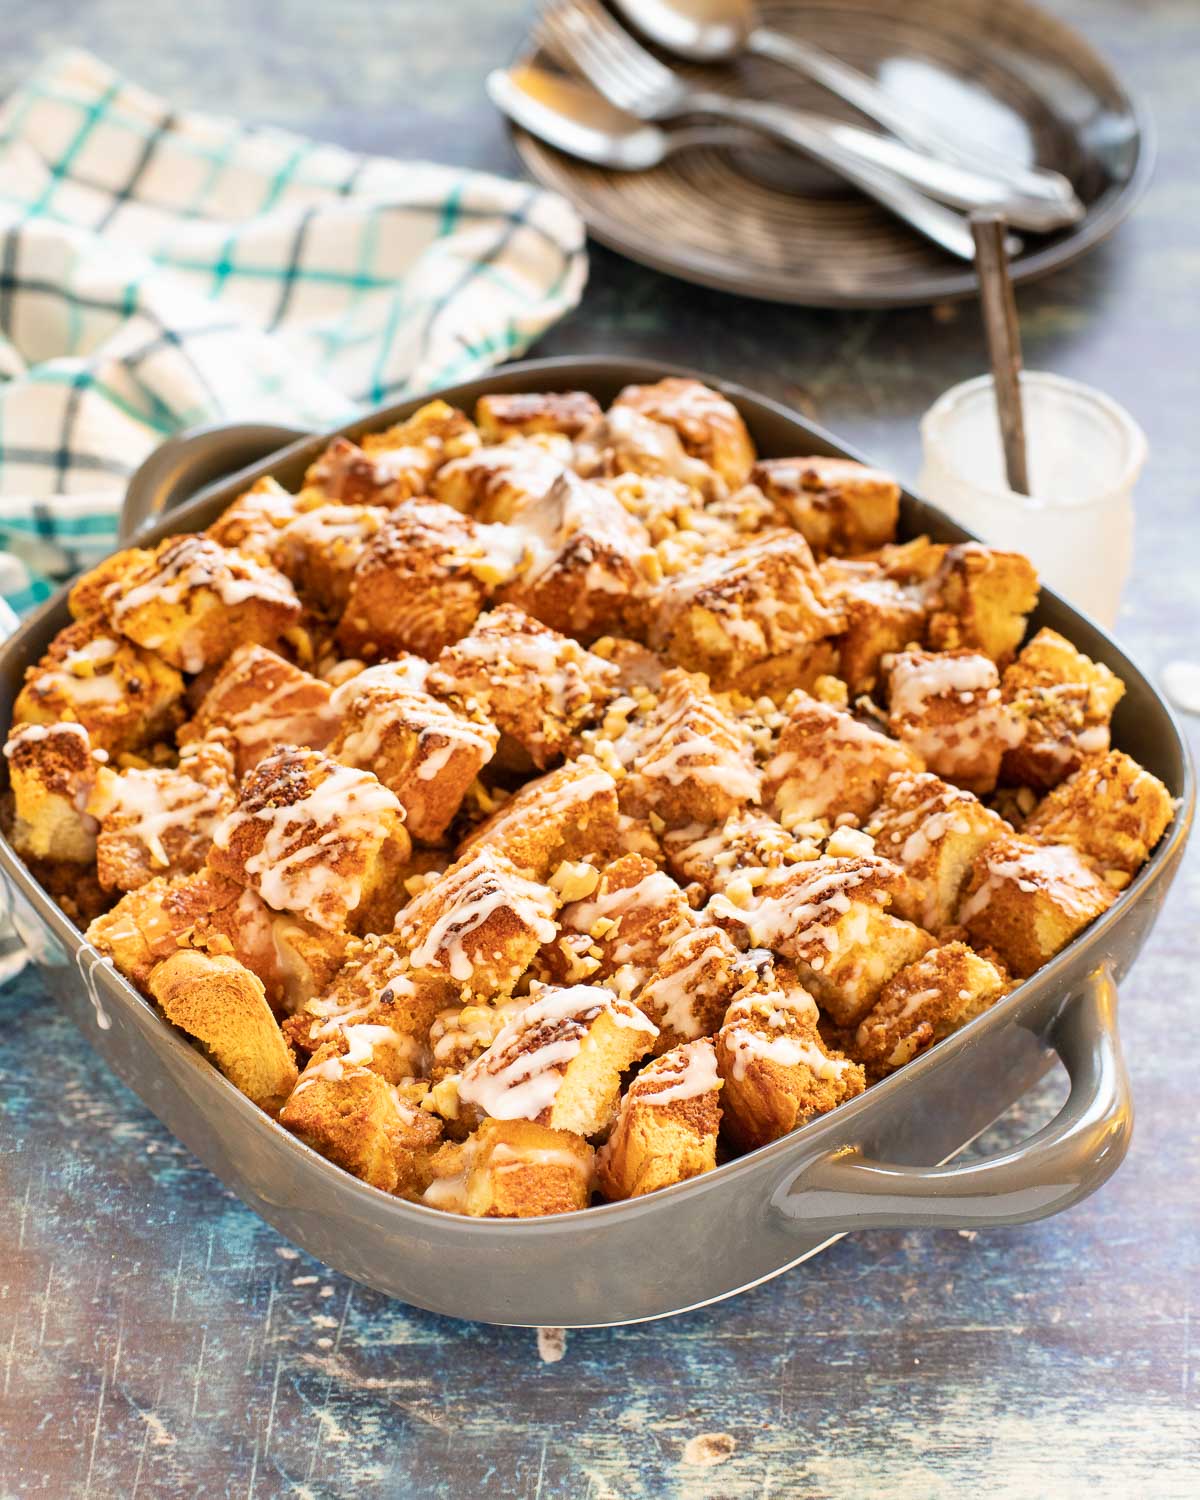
x: 156, y: 1338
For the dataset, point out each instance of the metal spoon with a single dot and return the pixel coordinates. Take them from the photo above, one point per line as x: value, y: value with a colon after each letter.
x: 718, y: 30
x: 577, y: 119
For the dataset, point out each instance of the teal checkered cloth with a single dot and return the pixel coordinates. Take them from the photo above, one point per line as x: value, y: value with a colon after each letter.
x: 160, y: 269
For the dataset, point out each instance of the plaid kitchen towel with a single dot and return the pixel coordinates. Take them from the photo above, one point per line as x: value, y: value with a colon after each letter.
x: 159, y: 269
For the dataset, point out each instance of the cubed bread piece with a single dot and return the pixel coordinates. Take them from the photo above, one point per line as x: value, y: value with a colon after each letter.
x: 314, y: 837
x: 633, y: 916
x: 947, y: 707
x: 512, y: 1169
x: 828, y: 765
x: 1111, y: 809
x: 837, y: 505
x: 829, y: 917
x: 777, y: 1071
x: 753, y: 616
x: 498, y: 483
x: 52, y: 769
x: 881, y: 616
x: 255, y: 520
x: 427, y: 752
x: 501, y: 416
x: 538, y: 686
x: 584, y: 566
x: 224, y: 1007
x: 86, y: 599
x: 667, y: 1124
x: 559, y: 1061
x: 935, y: 831
x: 420, y: 584
x: 690, y: 760
x: 294, y: 959
x: 377, y: 988
x: 460, y: 1034
x: 698, y: 974
x: 1026, y: 900
x: 979, y: 599
x: 263, y: 702
x: 195, y: 602
x: 569, y: 814
x: 625, y: 441
x: 480, y: 924
x: 359, y: 1120
x: 923, y: 1003
x: 1066, y: 701
x: 388, y: 467
x: 125, y: 698
x: 322, y: 547
x: 744, y: 851
x: 160, y: 821
x: 708, y: 424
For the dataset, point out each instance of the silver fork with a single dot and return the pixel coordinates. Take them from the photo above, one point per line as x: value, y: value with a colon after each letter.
x: 635, y: 81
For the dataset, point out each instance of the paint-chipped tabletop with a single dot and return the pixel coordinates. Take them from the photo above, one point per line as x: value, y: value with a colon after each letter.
x: 158, y: 1339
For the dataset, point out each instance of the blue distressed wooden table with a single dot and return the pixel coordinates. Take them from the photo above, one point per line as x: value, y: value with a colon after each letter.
x: 156, y: 1338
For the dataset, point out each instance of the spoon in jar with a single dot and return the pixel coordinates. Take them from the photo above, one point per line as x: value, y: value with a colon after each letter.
x: 710, y: 31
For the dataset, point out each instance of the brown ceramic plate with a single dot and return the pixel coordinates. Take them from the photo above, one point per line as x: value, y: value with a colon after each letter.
x: 769, y: 224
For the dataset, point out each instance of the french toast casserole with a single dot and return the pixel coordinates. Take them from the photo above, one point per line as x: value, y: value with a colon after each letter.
x: 547, y: 805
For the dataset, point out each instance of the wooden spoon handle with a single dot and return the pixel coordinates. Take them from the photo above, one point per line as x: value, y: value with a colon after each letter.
x: 1004, y: 341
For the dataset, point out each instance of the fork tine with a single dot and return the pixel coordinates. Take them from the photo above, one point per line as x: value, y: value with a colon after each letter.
x: 624, y: 51
x: 611, y: 60
x: 568, y: 33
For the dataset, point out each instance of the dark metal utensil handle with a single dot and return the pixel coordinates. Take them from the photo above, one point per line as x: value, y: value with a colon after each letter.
x: 183, y: 465
x: 1062, y: 1163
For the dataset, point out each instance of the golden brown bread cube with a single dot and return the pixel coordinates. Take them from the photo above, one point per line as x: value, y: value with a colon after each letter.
x: 195, y: 602
x: 559, y: 1060
x: 1111, y: 809
x: 923, y: 1003
x: 315, y: 837
x: 427, y: 752
x: 512, y: 1169
x: 1027, y: 900
x: 698, y: 974
x: 224, y: 1007
x: 753, y: 616
x: 87, y: 595
x: 52, y: 769
x: 583, y: 569
x: 881, y: 616
x: 708, y: 424
x: 829, y: 766
x: 632, y: 917
x: 626, y: 441
x: 377, y: 988
x: 263, y: 701
x: 978, y: 600
x: 947, y: 707
x: 935, y: 831
x: 420, y: 584
x: 569, y: 814
x: 501, y: 416
x: 539, y: 687
x: 498, y: 483
x: 778, y: 1073
x: 837, y: 505
x: 125, y: 698
x: 829, y: 917
x: 667, y: 1124
x: 160, y: 821
x: 255, y: 520
x: 356, y: 1118
x: 743, y: 852
x: 479, y: 924
x: 388, y: 467
x: 1066, y: 701
x: 690, y: 760
x: 320, y: 549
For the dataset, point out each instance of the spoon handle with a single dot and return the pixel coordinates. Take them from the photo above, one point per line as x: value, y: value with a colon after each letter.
x: 918, y: 131
x: 1003, y: 341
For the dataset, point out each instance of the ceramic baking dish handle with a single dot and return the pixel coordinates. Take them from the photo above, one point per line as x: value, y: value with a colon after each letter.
x: 1065, y: 1161
x: 183, y: 465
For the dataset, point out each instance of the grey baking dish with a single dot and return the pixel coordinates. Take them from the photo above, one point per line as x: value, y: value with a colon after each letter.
x: 873, y: 1162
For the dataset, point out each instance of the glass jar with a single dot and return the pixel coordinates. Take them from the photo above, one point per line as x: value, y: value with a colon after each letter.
x: 1085, y: 454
